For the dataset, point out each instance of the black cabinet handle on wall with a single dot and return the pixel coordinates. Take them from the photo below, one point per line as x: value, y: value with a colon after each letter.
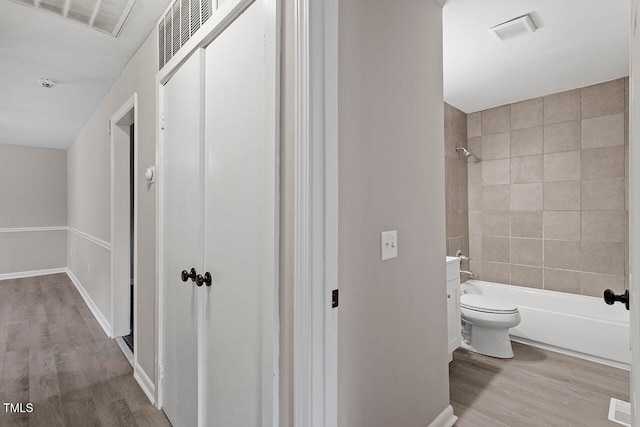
x: 610, y: 298
x: 186, y: 275
x: 200, y: 280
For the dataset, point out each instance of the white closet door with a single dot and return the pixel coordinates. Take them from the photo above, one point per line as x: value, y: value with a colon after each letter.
x: 182, y: 179
x: 240, y: 235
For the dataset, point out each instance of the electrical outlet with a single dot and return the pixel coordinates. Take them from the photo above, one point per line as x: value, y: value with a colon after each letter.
x: 389, y: 244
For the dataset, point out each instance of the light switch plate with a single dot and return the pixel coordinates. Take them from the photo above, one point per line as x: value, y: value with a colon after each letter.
x: 389, y: 244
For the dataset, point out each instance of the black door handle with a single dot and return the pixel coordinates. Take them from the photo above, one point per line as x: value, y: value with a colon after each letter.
x: 186, y: 275
x: 610, y: 298
x: 200, y: 280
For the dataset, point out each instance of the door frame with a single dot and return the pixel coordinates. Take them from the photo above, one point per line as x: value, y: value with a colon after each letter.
x: 221, y: 18
x: 634, y: 208
x: 126, y: 115
x: 316, y: 213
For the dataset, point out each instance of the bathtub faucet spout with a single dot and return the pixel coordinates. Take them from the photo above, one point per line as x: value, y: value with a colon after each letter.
x: 470, y: 273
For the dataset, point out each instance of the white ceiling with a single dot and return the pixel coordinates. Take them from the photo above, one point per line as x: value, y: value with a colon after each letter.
x: 578, y: 43
x: 83, y: 62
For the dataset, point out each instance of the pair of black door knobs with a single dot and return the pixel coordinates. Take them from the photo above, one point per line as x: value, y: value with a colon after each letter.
x: 195, y: 277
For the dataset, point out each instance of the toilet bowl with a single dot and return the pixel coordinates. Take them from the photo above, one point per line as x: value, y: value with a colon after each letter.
x: 485, y: 325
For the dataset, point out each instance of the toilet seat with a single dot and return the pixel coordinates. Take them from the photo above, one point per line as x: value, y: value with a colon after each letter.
x: 483, y: 304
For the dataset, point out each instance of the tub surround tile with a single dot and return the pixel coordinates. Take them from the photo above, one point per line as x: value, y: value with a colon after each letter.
x: 562, y: 225
x: 562, y: 280
x: 604, y: 131
x: 603, y: 99
x: 562, y: 254
x: 603, y: 257
x: 496, y: 172
x: 603, y: 163
x: 527, y: 142
x: 562, y: 196
x: 496, y: 272
x: 526, y: 224
x: 603, y: 195
x: 451, y: 141
x: 594, y: 284
x: 562, y: 107
x: 474, y: 127
x: 475, y: 223
x: 496, y: 197
x: 451, y: 170
x: 547, y: 190
x: 604, y: 226
x: 475, y: 197
x: 561, y: 137
x: 496, y: 120
x: 475, y: 247
x: 530, y: 277
x: 526, y: 197
x: 563, y: 166
x: 526, y: 114
x: 526, y: 252
x: 496, y: 249
x: 496, y: 224
x: 526, y: 169
x: 496, y: 146
x: 474, y: 174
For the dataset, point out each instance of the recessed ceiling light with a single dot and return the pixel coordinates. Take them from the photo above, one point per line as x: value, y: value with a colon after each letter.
x: 513, y: 28
x: 46, y: 83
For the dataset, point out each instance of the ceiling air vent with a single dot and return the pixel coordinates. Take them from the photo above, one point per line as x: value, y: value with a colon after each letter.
x: 181, y: 20
x: 107, y: 16
x: 513, y: 28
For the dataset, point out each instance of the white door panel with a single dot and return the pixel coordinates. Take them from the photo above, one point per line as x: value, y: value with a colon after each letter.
x: 182, y: 175
x: 239, y: 222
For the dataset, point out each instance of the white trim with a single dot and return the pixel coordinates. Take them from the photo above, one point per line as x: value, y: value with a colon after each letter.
x: 33, y: 273
x: 102, y: 243
x: 102, y: 320
x: 634, y: 208
x: 316, y: 197
x: 127, y: 114
x: 145, y: 382
x: 34, y: 229
x: 125, y: 350
x: 445, y: 419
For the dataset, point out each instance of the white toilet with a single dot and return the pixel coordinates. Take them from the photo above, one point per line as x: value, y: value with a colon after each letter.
x: 486, y: 323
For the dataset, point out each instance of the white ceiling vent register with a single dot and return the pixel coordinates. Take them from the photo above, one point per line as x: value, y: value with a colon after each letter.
x: 513, y: 28
x: 107, y: 16
x: 182, y: 20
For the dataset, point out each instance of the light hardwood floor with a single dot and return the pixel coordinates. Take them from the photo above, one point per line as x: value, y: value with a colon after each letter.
x: 55, y: 355
x: 535, y: 388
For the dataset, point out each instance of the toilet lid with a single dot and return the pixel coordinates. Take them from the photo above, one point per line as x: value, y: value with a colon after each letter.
x: 487, y: 305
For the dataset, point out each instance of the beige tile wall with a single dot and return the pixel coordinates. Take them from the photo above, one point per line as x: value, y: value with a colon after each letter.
x: 547, y: 191
x: 455, y: 134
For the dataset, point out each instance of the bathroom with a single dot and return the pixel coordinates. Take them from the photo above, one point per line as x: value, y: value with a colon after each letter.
x: 536, y: 135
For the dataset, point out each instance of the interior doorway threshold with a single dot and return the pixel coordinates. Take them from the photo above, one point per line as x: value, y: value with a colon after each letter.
x: 125, y: 349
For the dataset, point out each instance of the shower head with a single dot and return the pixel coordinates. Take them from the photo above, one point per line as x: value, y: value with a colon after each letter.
x: 464, y: 151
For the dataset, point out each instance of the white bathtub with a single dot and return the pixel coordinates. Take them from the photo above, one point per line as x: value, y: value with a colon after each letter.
x: 579, y: 325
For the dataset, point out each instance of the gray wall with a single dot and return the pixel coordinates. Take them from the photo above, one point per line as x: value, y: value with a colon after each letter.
x: 548, y: 202
x: 89, y: 198
x: 392, y: 356
x: 33, y: 191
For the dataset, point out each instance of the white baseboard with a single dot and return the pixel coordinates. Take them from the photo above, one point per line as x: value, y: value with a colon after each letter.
x: 34, y: 273
x: 145, y: 383
x: 106, y: 326
x: 445, y: 419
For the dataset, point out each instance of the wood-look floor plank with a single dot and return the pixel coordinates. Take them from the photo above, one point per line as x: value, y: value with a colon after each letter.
x: 535, y: 388
x: 54, y: 354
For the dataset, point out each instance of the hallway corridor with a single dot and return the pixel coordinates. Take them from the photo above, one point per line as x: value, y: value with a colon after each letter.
x: 55, y: 355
